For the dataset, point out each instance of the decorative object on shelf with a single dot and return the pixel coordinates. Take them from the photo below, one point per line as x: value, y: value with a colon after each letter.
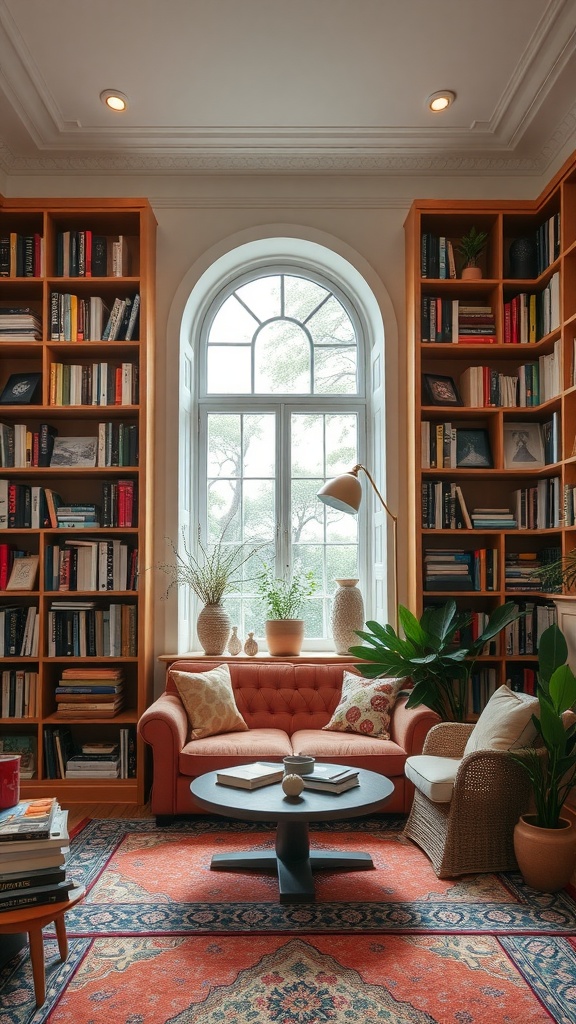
x: 429, y: 654
x: 250, y: 646
x: 473, y: 449
x: 283, y: 598
x: 213, y: 628
x: 215, y: 572
x: 523, y: 258
x: 344, y: 493
x: 523, y: 446
x: 299, y: 764
x: 234, y: 643
x: 440, y: 390
x: 292, y: 785
x: 545, y: 842
x: 347, y: 615
x: 470, y: 247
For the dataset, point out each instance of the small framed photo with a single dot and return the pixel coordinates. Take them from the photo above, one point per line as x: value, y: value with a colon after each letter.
x: 473, y: 449
x: 523, y: 446
x: 21, y: 389
x: 440, y: 390
x: 24, y: 572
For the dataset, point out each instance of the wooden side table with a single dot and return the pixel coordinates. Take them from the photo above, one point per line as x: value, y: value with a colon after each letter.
x: 33, y: 920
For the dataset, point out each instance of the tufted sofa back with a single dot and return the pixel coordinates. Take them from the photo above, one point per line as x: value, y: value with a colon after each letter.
x: 279, y: 695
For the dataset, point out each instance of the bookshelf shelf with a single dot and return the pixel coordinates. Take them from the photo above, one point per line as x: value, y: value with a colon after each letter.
x: 78, y: 265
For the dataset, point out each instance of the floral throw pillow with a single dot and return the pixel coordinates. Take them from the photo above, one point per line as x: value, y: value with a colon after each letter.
x: 365, y: 705
x: 209, y: 701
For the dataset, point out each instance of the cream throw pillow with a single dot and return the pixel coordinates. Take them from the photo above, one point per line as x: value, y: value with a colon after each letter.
x: 209, y: 701
x: 505, y: 723
x: 365, y: 706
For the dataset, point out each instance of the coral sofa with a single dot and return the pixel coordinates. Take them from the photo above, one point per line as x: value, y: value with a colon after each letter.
x: 284, y: 705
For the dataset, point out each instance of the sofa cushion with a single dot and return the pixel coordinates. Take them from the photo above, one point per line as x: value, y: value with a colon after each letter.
x: 209, y: 701
x: 505, y: 723
x: 351, y: 748
x: 433, y: 776
x: 365, y: 706
x: 232, y: 748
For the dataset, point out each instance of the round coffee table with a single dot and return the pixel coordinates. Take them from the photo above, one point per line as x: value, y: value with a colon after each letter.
x: 292, y: 858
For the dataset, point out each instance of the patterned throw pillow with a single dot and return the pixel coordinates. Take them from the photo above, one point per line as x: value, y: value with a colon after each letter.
x: 365, y: 705
x: 209, y: 701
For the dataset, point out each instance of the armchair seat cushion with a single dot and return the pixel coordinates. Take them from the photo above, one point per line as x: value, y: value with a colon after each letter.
x: 433, y: 776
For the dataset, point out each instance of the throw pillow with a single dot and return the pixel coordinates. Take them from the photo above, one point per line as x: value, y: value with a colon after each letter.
x: 209, y: 701
x: 505, y: 723
x: 365, y: 706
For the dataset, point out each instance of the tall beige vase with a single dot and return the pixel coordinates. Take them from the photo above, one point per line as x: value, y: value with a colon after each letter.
x: 213, y: 628
x: 347, y: 615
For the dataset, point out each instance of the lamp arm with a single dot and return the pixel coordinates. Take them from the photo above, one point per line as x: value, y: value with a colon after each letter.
x: 372, y: 481
x: 394, y: 519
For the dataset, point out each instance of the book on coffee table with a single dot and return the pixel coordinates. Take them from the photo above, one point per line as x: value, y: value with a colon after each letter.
x: 250, y: 776
x: 331, y: 779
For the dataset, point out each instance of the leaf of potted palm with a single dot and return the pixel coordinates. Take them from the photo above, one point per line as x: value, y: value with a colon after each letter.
x: 283, y: 598
x: 470, y: 247
x: 545, y: 842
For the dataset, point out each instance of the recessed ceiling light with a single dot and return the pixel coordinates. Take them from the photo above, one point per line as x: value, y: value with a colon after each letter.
x: 440, y: 100
x: 114, y: 100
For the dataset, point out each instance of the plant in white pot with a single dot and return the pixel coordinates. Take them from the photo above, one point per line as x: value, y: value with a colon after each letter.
x: 545, y: 842
x: 283, y: 598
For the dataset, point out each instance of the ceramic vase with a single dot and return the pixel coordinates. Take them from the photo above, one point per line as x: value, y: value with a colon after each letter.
x: 213, y: 628
x: 522, y: 255
x: 546, y: 856
x: 347, y: 615
x: 250, y: 646
x: 234, y: 643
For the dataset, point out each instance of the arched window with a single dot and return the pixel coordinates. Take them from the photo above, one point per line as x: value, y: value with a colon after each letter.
x: 282, y: 387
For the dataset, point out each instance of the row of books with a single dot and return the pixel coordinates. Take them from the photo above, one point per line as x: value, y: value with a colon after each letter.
x: 21, y: 255
x: 483, y: 683
x: 86, y: 254
x: 66, y: 759
x: 443, y: 506
x: 451, y: 321
x: 547, y: 243
x: 100, y: 383
x: 540, y: 506
x: 20, y: 323
x: 437, y: 257
x: 533, y: 384
x: 19, y: 631
x: 34, y: 845
x: 460, y: 569
x: 530, y: 317
x: 22, y: 447
x: 523, y: 635
x: 73, y: 318
x: 30, y: 506
x: 522, y: 568
x: 19, y: 694
x: 83, y: 629
x: 90, y: 565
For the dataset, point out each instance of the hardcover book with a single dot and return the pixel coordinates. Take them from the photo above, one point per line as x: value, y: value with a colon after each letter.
x: 21, y: 389
x: 250, y: 776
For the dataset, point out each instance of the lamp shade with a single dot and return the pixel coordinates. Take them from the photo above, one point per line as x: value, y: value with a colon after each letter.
x: 342, y: 492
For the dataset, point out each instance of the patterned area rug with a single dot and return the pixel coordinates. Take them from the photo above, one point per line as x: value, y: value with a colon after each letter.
x: 161, y: 938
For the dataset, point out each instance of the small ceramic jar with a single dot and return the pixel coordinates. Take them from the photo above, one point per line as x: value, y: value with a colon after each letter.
x: 292, y: 785
x: 250, y: 647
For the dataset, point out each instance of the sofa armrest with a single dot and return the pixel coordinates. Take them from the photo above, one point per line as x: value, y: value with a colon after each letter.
x: 409, y: 727
x: 164, y: 725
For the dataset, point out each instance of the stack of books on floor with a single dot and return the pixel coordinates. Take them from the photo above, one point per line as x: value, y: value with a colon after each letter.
x: 331, y: 778
x: 33, y: 854
x: 90, y: 692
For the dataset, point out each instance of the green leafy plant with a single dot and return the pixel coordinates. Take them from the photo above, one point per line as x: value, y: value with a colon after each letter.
x: 283, y: 597
x: 217, y: 570
x: 471, y: 246
x: 430, y: 654
x: 553, y: 776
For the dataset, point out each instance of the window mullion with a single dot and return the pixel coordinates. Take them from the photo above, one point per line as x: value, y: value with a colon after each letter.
x: 283, y: 468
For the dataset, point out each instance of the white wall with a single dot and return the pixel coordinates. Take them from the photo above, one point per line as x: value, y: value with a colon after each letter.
x: 198, y: 216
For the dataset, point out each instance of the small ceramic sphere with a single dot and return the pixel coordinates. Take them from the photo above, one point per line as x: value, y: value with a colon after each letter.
x: 292, y: 785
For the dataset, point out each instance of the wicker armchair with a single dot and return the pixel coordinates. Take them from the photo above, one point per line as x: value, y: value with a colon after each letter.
x: 474, y: 832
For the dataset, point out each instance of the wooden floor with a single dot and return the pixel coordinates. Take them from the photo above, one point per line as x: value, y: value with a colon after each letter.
x: 78, y: 812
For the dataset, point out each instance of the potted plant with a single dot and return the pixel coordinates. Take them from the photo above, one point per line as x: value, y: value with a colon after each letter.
x: 470, y: 247
x: 431, y: 653
x: 558, y: 578
x: 216, y: 571
x: 283, y: 598
x: 545, y: 841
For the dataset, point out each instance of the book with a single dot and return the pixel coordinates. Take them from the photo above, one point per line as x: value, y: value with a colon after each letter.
x: 28, y: 820
x: 23, y: 574
x: 57, y: 837
x: 21, y: 389
x: 34, y: 897
x: 326, y: 786
x: 250, y: 776
x: 74, y: 451
x: 18, y: 879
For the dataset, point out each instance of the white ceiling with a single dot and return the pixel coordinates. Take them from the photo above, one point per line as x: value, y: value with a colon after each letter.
x: 298, y: 86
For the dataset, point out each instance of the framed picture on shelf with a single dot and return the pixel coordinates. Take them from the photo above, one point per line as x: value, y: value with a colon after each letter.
x: 24, y: 572
x: 523, y: 446
x: 21, y: 389
x: 439, y: 390
x: 473, y: 449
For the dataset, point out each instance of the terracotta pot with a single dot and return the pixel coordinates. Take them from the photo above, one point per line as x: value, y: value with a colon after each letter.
x: 213, y: 628
x: 284, y: 636
x: 546, y: 856
x: 471, y: 273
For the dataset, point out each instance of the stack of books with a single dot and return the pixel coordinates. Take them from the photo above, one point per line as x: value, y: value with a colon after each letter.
x: 20, y: 323
x: 102, y: 765
x: 448, y: 569
x: 78, y: 516
x: 95, y: 691
x: 476, y: 324
x: 493, y: 519
x: 331, y: 778
x: 33, y: 854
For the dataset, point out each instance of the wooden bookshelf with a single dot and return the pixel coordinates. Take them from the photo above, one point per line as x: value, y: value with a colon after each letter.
x: 542, y: 335
x: 95, y: 251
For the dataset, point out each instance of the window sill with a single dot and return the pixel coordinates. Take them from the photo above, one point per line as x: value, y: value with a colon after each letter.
x: 321, y: 657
